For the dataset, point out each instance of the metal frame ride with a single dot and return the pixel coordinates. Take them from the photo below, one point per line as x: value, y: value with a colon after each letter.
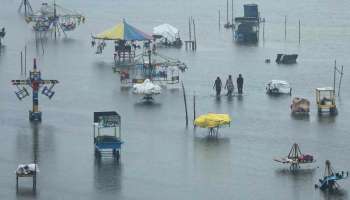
x: 35, y: 82
x: 163, y: 70
x: 295, y: 158
x: 55, y: 18
x: 27, y: 7
x: 107, y: 142
x: 329, y: 181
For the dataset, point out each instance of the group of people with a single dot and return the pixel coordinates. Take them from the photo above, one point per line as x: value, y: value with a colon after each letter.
x: 229, y: 85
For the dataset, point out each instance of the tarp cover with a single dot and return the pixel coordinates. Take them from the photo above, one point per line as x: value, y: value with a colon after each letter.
x: 146, y: 88
x: 167, y: 31
x: 24, y: 169
x: 300, y: 105
x: 212, y: 120
x: 123, y: 31
x: 281, y: 85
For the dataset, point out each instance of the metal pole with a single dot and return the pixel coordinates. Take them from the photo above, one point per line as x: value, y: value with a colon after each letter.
x: 150, y: 64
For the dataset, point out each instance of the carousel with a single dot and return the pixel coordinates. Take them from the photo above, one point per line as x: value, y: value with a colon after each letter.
x: 126, y: 40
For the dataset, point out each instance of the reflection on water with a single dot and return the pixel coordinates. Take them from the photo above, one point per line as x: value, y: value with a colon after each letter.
x: 107, y: 174
x: 340, y: 194
x: 35, y: 135
x: 208, y: 153
x: 295, y: 174
x: 26, y: 192
x: 301, y: 117
x: 326, y: 119
x: 147, y: 104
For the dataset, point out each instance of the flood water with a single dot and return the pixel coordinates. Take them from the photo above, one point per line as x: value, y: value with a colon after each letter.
x: 161, y: 158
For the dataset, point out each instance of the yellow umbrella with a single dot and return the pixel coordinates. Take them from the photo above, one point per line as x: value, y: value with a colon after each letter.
x: 212, y: 120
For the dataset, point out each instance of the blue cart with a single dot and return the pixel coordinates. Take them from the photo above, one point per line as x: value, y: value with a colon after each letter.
x: 107, y: 134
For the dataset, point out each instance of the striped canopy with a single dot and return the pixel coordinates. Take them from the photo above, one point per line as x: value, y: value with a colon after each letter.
x: 123, y: 31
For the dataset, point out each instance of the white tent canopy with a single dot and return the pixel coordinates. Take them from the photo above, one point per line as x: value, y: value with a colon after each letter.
x: 280, y: 85
x: 167, y: 31
x: 146, y: 88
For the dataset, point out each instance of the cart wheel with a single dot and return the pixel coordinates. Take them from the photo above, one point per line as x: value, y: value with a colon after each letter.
x: 117, y: 155
x: 97, y: 153
x: 333, y: 111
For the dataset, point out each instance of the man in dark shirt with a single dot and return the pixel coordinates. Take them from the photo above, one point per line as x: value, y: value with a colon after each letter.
x: 240, y: 84
x: 217, y: 86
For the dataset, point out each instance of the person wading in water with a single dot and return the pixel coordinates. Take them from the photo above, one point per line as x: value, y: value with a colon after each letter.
x: 240, y: 84
x: 217, y: 86
x: 229, y: 86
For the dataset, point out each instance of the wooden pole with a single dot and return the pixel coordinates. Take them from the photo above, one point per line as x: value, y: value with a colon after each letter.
x: 232, y: 13
x: 334, y: 77
x: 219, y: 20
x: 285, y: 27
x: 194, y: 106
x: 54, y: 14
x: 264, y: 31
x: 184, y: 94
x: 299, y: 33
x: 341, y: 76
x: 21, y: 63
x: 227, y: 12
x: 194, y: 36
x: 25, y: 61
x: 189, y: 28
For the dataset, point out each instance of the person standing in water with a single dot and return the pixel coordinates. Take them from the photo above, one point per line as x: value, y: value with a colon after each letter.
x: 240, y: 84
x: 217, y: 86
x: 229, y: 86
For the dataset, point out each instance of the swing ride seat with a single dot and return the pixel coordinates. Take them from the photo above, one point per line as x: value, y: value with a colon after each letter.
x: 286, y: 160
x: 68, y: 26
